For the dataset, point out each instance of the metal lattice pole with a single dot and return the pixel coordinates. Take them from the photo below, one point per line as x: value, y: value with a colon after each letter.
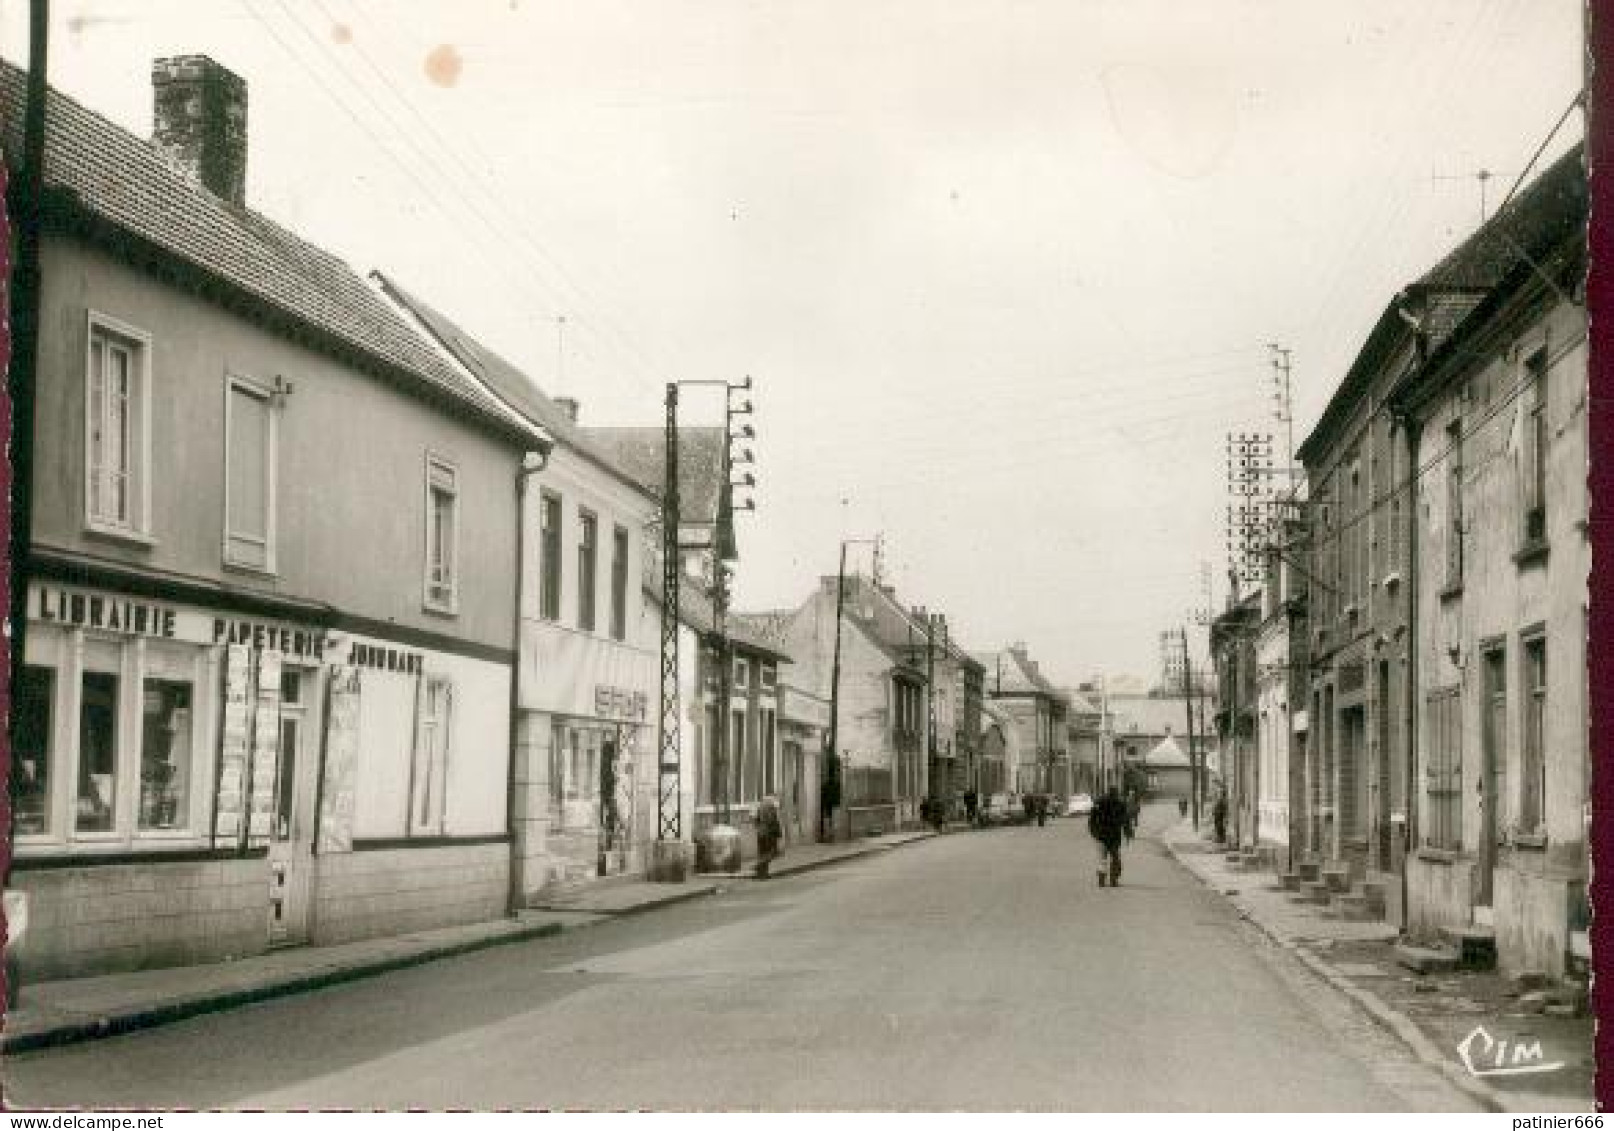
x: 669, y: 825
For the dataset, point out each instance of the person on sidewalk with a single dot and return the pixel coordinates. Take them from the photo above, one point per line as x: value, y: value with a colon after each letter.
x: 972, y: 803
x: 1219, y: 817
x: 769, y: 833
x: 1133, y: 808
x: 1108, y: 824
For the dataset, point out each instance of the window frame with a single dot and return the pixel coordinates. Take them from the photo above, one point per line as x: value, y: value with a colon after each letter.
x: 69, y: 654
x: 433, y: 601
x: 138, y: 528
x: 551, y: 545
x: 1533, y: 700
x: 1455, y: 521
x: 1537, y: 440
x: 432, y: 757
x: 234, y: 382
x: 588, y: 569
x: 620, y: 549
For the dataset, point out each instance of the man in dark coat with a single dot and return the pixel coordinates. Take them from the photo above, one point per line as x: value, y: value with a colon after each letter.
x: 1108, y: 824
x: 770, y: 831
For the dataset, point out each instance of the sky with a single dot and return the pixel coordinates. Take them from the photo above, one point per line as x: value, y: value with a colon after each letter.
x: 1003, y: 272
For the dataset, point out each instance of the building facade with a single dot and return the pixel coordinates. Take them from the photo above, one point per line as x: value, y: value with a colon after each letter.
x: 264, y: 695
x: 1498, y: 413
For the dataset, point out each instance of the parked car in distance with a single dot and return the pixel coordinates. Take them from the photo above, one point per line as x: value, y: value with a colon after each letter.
x: 1002, y: 809
x: 1079, y: 805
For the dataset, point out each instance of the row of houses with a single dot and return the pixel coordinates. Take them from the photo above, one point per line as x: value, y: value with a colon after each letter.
x: 336, y: 625
x: 1404, y: 698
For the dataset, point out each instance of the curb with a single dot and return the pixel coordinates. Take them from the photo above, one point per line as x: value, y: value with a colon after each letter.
x: 146, y: 1017
x: 649, y: 905
x: 1399, y: 1026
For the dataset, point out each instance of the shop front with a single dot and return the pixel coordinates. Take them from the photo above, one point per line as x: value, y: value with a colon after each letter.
x: 192, y: 783
x: 149, y: 795
x: 586, y: 737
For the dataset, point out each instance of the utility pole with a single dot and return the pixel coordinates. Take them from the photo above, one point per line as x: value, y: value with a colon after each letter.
x: 1188, y: 709
x: 835, y: 668
x: 1283, y: 395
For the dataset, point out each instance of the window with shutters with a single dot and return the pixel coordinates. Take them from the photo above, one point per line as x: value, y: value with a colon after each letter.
x: 1533, y: 761
x: 442, y: 535
x: 117, y: 429
x: 249, y: 481
x: 1454, y: 504
x: 1535, y: 450
x: 1444, y: 770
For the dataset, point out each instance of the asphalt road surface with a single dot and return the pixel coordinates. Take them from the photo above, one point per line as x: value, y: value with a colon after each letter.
x: 973, y: 971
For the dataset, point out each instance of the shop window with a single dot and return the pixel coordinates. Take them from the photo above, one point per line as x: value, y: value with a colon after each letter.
x: 588, y: 556
x: 1533, y: 769
x: 249, y: 485
x: 33, y: 694
x: 442, y: 535
x: 98, y: 753
x: 549, y: 557
x: 429, y: 777
x: 116, y: 428
x: 165, y: 754
x: 619, y: 583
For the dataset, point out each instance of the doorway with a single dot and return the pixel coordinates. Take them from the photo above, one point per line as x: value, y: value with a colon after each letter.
x: 1382, y: 779
x: 291, y: 834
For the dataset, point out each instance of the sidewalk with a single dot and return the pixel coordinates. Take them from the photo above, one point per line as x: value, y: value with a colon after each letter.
x: 1431, y: 1013
x: 76, y: 1009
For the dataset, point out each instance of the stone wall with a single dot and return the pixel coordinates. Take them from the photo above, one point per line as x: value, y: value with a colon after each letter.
x: 394, y: 891
x: 107, y: 918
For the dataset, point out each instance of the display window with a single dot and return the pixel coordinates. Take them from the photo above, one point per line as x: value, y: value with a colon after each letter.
x: 110, y: 743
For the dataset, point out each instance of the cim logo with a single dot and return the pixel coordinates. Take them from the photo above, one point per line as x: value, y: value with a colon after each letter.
x: 1485, y: 1055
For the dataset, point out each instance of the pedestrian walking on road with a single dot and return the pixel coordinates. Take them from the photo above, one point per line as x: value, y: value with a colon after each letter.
x: 1108, y: 824
x: 769, y: 834
x: 1133, y: 807
x: 1182, y: 806
x: 972, y: 803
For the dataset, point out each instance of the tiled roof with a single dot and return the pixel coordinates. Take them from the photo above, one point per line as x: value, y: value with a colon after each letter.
x: 508, y: 383
x: 642, y: 453
x: 695, y: 611
x: 1147, y: 715
x: 770, y: 626
x: 1542, y: 214
x: 96, y: 169
x: 1539, y: 216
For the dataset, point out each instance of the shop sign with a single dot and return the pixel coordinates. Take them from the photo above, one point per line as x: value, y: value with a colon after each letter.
x: 620, y: 703
x: 104, y: 612
x: 386, y: 659
x: 269, y: 637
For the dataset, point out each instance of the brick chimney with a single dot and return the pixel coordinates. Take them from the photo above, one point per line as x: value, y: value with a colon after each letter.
x: 199, y: 121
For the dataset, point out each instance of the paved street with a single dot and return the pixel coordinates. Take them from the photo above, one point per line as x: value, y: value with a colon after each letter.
x: 976, y: 971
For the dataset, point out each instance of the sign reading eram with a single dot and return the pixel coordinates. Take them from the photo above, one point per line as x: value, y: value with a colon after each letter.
x: 619, y: 703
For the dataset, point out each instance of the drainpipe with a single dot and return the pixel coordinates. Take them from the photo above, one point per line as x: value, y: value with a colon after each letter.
x: 531, y: 464
x: 1414, y: 429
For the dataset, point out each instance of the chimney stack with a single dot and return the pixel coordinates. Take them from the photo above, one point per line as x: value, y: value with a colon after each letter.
x: 199, y: 121
x: 569, y: 406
